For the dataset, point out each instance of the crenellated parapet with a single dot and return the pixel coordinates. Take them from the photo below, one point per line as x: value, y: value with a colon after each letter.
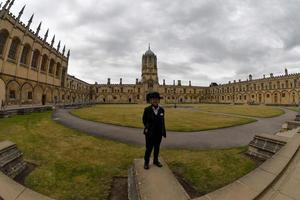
x: 5, y: 14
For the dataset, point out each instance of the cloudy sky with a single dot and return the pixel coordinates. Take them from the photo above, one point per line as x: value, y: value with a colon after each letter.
x: 199, y: 40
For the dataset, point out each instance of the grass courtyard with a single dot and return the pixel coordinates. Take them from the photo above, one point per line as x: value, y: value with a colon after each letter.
x: 73, y: 165
x: 186, y: 118
x: 296, y: 109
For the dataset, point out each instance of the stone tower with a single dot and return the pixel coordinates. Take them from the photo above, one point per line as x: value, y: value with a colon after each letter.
x: 149, y: 69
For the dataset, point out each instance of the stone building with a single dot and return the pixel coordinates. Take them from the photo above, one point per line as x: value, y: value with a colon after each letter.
x: 32, y: 71
x: 272, y: 90
x: 136, y: 93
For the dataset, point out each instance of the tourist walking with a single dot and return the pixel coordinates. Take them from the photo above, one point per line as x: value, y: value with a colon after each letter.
x: 154, y: 128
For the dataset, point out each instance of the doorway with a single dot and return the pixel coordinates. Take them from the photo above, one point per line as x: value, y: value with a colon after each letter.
x: 44, y: 99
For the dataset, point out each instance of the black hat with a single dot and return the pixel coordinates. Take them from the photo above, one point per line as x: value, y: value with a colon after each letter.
x: 153, y: 95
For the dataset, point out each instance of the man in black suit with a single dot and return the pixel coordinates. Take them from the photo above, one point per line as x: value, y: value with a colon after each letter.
x: 154, y: 123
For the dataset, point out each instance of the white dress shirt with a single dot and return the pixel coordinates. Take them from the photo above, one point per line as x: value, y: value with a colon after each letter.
x: 155, y: 110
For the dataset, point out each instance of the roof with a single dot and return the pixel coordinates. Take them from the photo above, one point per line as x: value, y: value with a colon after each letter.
x: 149, y: 52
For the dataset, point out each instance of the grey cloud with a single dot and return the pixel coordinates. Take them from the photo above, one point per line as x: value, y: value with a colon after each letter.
x: 194, y: 40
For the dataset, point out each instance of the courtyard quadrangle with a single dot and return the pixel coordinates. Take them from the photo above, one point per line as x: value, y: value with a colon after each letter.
x: 185, y: 118
x: 73, y: 165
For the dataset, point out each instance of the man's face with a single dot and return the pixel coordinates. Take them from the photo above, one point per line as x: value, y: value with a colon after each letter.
x: 154, y: 101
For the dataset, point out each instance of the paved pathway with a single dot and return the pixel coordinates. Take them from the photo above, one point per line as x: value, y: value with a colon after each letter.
x: 287, y: 186
x: 219, y: 138
x: 157, y: 183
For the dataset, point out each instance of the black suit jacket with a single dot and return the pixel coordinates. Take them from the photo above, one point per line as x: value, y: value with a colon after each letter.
x: 148, y: 120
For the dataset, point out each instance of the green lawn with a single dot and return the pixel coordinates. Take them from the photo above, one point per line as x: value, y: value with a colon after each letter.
x: 244, y: 110
x: 293, y: 108
x: 180, y: 119
x: 72, y: 165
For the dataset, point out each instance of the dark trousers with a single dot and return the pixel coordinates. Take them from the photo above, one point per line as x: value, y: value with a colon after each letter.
x: 152, y: 142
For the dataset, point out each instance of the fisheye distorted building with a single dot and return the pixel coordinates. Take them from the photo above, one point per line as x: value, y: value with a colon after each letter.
x: 33, y: 71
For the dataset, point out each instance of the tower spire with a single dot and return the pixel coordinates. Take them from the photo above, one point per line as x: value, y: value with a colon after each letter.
x: 68, y: 55
x: 53, y: 40
x: 64, y: 50
x: 38, y: 29
x: 46, y: 35
x: 11, y: 4
x: 6, y: 4
x: 30, y: 21
x: 58, y: 46
x: 21, y: 13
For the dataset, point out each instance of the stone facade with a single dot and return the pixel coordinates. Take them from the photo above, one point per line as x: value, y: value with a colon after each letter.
x: 32, y: 71
x: 272, y: 90
x: 136, y: 93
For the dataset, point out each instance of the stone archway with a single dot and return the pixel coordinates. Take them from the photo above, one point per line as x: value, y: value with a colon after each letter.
x: 276, y: 98
x: 26, y: 94
x: 13, y: 93
x: 62, y: 96
x: 47, y: 95
x: 56, y: 96
x: 294, y: 99
x: 37, y: 95
x: 2, y: 91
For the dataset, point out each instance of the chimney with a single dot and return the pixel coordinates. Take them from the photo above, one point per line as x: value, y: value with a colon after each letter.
x: 264, y: 76
x: 121, y: 81
x: 271, y: 75
x: 174, y: 82
x: 108, y: 81
x: 286, y: 71
x: 240, y: 80
x: 164, y: 82
x: 234, y: 81
x: 179, y: 82
x: 190, y: 83
x: 250, y: 77
x: 136, y: 81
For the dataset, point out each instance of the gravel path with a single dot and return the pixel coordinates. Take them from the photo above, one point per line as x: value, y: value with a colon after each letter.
x: 211, y: 139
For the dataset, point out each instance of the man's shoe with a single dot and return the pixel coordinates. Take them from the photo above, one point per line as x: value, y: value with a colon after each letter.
x: 146, y: 166
x: 157, y: 163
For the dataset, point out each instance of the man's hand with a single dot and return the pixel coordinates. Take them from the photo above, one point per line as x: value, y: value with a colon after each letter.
x: 146, y: 130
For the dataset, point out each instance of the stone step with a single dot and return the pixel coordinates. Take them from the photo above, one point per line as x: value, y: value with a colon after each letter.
x: 24, y: 110
x: 11, y: 159
x: 155, y: 183
x: 264, y: 146
x: 9, y: 156
x: 293, y: 124
x: 256, y: 183
x: 289, y: 133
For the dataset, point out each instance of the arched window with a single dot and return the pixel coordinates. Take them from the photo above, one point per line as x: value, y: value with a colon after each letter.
x: 14, y: 48
x: 51, y: 67
x: 44, y: 63
x: 58, y: 69
x: 25, y: 54
x: 35, y: 59
x: 3, y: 39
